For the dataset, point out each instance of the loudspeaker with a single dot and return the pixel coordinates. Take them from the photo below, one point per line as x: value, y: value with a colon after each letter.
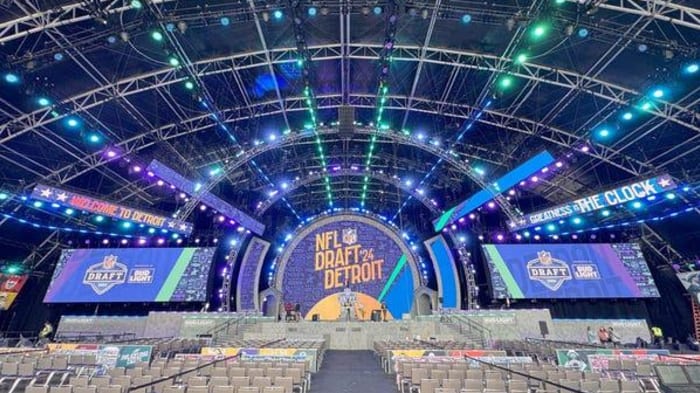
x: 346, y: 121
x: 544, y: 330
x: 315, y: 317
x: 376, y: 315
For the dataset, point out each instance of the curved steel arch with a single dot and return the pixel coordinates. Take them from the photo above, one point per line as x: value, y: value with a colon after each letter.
x: 382, y: 177
x: 68, y: 14
x: 455, y: 58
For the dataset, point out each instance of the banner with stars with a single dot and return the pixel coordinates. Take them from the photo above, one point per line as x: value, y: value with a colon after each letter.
x: 96, y: 206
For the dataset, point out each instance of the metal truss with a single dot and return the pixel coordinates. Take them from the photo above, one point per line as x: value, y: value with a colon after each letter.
x: 662, y: 10
x: 344, y: 172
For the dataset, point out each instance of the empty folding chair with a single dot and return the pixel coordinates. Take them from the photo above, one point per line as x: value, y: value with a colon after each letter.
x: 571, y: 384
x: 495, y: 385
x: 85, y: 389
x: 438, y: 374
x: 236, y: 371
x: 197, y: 381
x: 614, y: 365
x: 472, y: 385
x: 61, y: 389
x: 117, y: 371
x: 239, y: 381
x: 274, y: 389
x: 456, y: 373
x: 172, y: 389
x: 273, y: 372
x: 44, y: 363
x: 248, y: 389
x: 428, y: 385
x: 446, y: 390
x: 630, y: 386
x: 286, y: 382
x: 100, y: 381
x: 261, y: 382
x: 123, y: 380
x: 474, y: 374
x: 219, y: 372
x: 450, y: 383
x: 79, y: 381
x: 628, y: 365
x: 608, y: 385
x: 592, y: 376
x: 588, y: 386
x: 572, y: 375
x: 255, y: 372
x: 644, y: 371
x: 109, y: 389
x: 517, y: 386
x: 155, y: 372
x: 223, y: 389
x: 9, y: 368
x: 36, y: 389
x: 134, y: 372
x: 218, y: 381
x: 195, y: 389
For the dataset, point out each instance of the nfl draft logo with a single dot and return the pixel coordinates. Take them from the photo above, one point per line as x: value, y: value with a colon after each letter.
x: 549, y: 271
x: 349, y: 236
x: 10, y: 284
x: 103, y: 276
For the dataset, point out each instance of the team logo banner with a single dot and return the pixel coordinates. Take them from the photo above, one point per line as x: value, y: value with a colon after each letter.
x: 108, y: 209
x: 691, y: 282
x: 546, y: 271
x: 609, y: 198
x: 598, y: 359
x: 347, y: 262
x: 131, y: 275
x: 10, y: 285
x: 107, y: 356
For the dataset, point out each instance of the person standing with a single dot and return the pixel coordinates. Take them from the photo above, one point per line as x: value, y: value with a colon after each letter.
x: 384, y: 311
x: 657, y: 335
x: 614, y: 337
x: 603, y: 335
x: 46, y: 331
x: 591, y: 336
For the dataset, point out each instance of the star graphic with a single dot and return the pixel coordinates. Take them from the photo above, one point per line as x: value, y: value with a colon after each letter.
x: 46, y: 192
x: 171, y: 224
x: 664, y: 182
x: 183, y: 227
x: 62, y: 196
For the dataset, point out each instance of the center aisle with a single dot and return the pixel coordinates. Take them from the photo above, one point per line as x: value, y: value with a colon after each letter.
x: 351, y: 372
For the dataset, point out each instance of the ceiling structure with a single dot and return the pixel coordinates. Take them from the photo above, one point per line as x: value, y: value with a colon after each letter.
x: 244, y: 97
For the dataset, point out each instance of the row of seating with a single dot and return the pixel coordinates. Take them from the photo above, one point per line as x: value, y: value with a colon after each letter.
x: 169, y: 389
x: 520, y: 386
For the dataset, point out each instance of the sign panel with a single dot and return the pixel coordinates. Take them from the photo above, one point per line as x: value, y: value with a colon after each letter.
x: 546, y: 271
x: 10, y: 285
x: 505, y: 182
x: 597, y: 359
x: 691, y: 282
x: 347, y: 261
x: 107, y: 356
x: 627, y: 193
x: 171, y: 176
x: 265, y: 354
x: 108, y: 209
x: 131, y: 275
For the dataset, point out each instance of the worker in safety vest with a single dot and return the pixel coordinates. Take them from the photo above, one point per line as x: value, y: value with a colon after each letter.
x: 657, y: 335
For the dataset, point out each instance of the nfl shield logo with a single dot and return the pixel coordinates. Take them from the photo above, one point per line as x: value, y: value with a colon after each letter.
x: 549, y: 271
x: 349, y: 236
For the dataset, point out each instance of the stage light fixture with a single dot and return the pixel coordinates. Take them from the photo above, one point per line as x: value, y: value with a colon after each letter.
x: 583, y: 32
x: 604, y: 133
x: 225, y: 21
x: 94, y: 138
x: 11, y: 78
x: 111, y: 153
x: 642, y: 47
x: 99, y: 218
x: 505, y: 82
x: 38, y: 204
x: 136, y: 168
x: 637, y: 205
x: 58, y: 56
x: 657, y: 93
x: 692, y: 68
x: 136, y: 4
x: 173, y: 61
x: 521, y: 58
x: 70, y: 211
x: 670, y: 196
x: 157, y: 35
x: 627, y: 116
x: 480, y: 170
x: 189, y: 85
x: 43, y: 101
x: 126, y: 225
x: 577, y: 221
x: 377, y: 10
x: 277, y: 14
x: 111, y: 39
x: 72, y: 122
x: 645, y: 106
x: 551, y: 227
x: 466, y: 18
x: 4, y: 196
x: 312, y: 11
x: 539, y: 30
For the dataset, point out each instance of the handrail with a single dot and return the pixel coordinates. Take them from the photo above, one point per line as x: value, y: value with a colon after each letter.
x: 181, y: 373
x: 548, y: 340
x: 79, y: 335
x: 483, y: 331
x: 213, y: 332
x: 522, y: 374
x: 25, y: 351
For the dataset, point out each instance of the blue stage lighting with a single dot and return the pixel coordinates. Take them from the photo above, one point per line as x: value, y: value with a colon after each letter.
x: 604, y: 133
x: 126, y: 225
x: 72, y: 122
x: 58, y: 56
x: 224, y: 21
x: 377, y: 10
x: 3, y: 196
x: 170, y: 27
x: 277, y: 14
x: 99, y: 218
x: 43, y: 101
x: 312, y: 11
x: 38, y: 204
x: 70, y: 211
x: 11, y: 78
x: 637, y: 205
x: 466, y: 18
x: 627, y: 116
x: 94, y: 138
x: 583, y: 32
x: 657, y: 93
x: 577, y: 221
x: 671, y: 196
x: 692, y: 68
x: 111, y: 39
x: 551, y: 227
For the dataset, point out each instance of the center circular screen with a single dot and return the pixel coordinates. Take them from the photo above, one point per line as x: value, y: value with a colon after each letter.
x: 346, y: 267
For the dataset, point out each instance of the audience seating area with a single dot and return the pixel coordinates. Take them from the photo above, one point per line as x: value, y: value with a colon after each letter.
x: 381, y: 348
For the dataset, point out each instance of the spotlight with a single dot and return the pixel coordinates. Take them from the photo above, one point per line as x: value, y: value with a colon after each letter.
x: 94, y: 138
x: 38, y: 204
x: 224, y: 21
x: 539, y: 31
x: 522, y: 58
x: 136, y: 4
x: 142, y: 241
x: 627, y: 116
x: 124, y: 242
x: 604, y: 133
x: 658, y: 93
x: 70, y: 211
x: 189, y: 85
x: 43, y: 101
x: 277, y: 14
x: 637, y: 205
x: 583, y: 32
x: 551, y: 228
x: 111, y: 39
x: 111, y: 153
x: 58, y: 56
x: 645, y: 106
x: 170, y: 27
x: 605, y: 213
x: 105, y: 241
x: 182, y: 26
x: 505, y: 82
x: 325, y: 10
x: 577, y: 220
x: 692, y: 68
x: 670, y: 196
x: 99, y: 218
x: 161, y: 241
x: 4, y: 196
x: 642, y: 47
x: 377, y: 10
x: 126, y: 225
x: 173, y: 61
x: 136, y: 168
x: 157, y: 35
x: 11, y: 78
x: 466, y: 18
x: 312, y: 11
x: 72, y: 122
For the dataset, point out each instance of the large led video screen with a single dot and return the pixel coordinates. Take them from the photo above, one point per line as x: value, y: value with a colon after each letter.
x: 567, y: 271
x: 131, y: 275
